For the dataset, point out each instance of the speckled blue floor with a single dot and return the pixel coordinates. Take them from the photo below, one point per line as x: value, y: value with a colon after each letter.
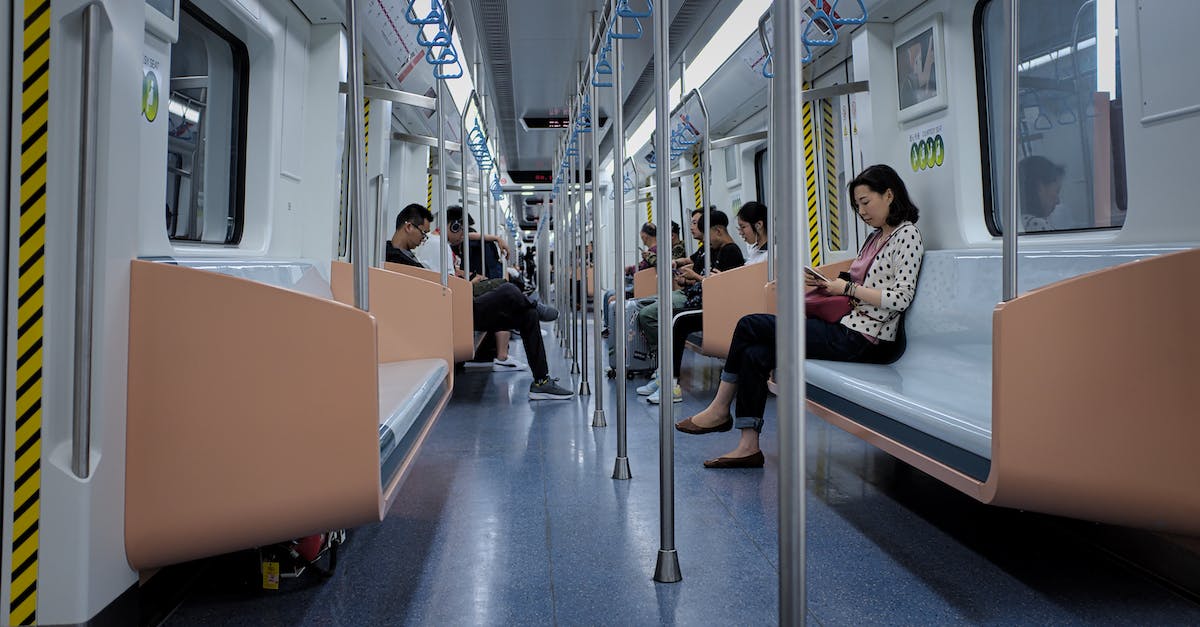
x: 511, y: 517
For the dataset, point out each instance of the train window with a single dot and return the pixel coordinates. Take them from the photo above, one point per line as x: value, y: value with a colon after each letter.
x: 206, y: 136
x: 1071, y: 168
x: 762, y: 176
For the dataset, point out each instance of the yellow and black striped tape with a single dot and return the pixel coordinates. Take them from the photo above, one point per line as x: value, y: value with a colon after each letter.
x: 810, y: 188
x: 27, y: 441
x: 831, y: 177
x: 366, y: 129
x: 429, y: 182
x: 649, y: 201
x: 698, y: 181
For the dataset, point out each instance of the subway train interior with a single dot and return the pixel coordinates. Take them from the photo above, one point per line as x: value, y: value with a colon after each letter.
x: 238, y: 228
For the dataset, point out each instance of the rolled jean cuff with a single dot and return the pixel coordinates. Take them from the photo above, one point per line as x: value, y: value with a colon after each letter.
x: 729, y: 377
x: 745, y: 422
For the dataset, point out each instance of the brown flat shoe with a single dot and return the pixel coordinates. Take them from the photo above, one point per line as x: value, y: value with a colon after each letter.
x: 750, y: 461
x: 687, y: 426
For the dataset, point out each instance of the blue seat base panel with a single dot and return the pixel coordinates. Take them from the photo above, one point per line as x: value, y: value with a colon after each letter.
x: 941, y: 388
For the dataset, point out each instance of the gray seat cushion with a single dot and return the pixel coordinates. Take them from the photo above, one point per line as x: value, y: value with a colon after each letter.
x: 942, y: 386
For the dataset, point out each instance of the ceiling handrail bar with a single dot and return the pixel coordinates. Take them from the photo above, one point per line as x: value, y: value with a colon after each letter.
x: 769, y: 58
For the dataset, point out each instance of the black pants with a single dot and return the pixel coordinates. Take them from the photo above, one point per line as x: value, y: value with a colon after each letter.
x: 752, y: 357
x: 684, y: 327
x: 506, y: 308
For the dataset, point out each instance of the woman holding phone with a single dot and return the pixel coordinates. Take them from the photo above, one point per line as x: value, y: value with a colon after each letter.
x: 880, y: 285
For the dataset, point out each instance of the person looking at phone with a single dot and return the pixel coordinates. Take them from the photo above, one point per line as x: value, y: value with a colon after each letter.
x: 882, y: 283
x: 688, y: 295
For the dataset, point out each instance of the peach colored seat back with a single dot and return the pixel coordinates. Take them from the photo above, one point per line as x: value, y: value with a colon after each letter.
x: 728, y: 296
x: 645, y: 283
x: 462, y: 306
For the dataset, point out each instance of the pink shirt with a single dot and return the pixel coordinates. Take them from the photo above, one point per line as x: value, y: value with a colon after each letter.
x: 859, y: 267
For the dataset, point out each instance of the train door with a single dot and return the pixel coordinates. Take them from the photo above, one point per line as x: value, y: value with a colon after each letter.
x: 835, y: 158
x: 84, y: 83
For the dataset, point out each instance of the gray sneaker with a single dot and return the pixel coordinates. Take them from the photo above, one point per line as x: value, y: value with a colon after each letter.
x: 548, y: 390
x: 546, y: 313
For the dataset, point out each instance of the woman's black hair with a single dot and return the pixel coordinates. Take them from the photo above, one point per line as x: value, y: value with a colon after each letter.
x: 649, y: 229
x: 879, y: 178
x: 1035, y: 171
x: 752, y: 213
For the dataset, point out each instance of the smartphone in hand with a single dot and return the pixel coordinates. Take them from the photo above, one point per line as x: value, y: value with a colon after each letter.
x: 815, y: 274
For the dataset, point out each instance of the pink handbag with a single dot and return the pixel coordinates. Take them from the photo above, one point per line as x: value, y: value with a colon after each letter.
x: 827, y: 307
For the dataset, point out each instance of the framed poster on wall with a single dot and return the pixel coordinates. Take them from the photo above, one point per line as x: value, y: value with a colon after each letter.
x: 921, y: 70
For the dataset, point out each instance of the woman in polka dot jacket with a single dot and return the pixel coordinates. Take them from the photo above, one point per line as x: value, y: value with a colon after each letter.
x: 883, y: 281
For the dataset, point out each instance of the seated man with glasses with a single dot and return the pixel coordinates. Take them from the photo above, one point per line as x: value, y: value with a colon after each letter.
x: 497, y: 311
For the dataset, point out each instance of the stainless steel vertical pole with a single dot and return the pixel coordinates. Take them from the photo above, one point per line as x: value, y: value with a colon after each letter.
x: 543, y: 250
x: 706, y: 180
x: 667, y: 568
x: 358, y: 186
x: 598, y: 419
x: 1012, y: 110
x: 772, y: 219
x: 585, y: 388
x: 462, y: 154
x: 789, y: 369
x: 621, y: 464
x: 81, y: 432
x: 441, y: 148
x: 572, y: 278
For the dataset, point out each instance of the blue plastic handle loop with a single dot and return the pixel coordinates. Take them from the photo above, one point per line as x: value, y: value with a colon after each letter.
x: 446, y: 55
x: 768, y: 62
x: 440, y: 39
x: 820, y: 14
x: 623, y: 9
x: 435, y: 13
x: 625, y: 35
x: 441, y: 74
x: 862, y: 19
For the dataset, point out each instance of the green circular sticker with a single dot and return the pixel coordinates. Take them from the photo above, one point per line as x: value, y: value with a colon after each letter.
x: 939, y: 150
x: 150, y: 96
x: 914, y: 157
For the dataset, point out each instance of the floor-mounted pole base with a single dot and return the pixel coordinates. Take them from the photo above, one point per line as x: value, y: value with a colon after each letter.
x: 667, y: 570
x: 584, y: 388
x: 621, y: 469
x: 598, y: 419
x: 574, y: 368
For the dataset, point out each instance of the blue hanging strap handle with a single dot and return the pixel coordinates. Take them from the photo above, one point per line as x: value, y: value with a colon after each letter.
x: 441, y: 38
x: 623, y: 10
x: 603, y: 66
x: 768, y: 63
x: 839, y: 21
x: 448, y: 72
x: 831, y: 40
x: 436, y: 15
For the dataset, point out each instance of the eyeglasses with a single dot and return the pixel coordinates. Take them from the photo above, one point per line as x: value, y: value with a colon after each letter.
x: 424, y: 232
